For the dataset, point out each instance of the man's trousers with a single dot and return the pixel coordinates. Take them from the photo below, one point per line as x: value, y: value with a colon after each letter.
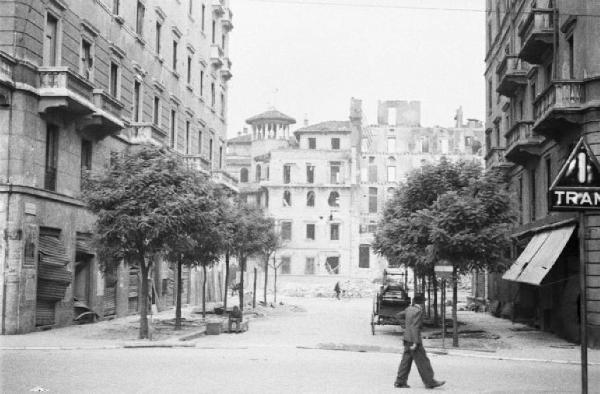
x: 422, y: 361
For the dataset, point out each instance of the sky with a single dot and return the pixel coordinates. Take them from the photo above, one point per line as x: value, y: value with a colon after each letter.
x: 307, y: 58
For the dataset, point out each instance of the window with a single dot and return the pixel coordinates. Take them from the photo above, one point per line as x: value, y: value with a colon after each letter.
x: 114, y: 80
x: 391, y: 144
x: 532, y: 194
x: 335, y: 143
x: 210, y: 150
x: 51, y: 157
x: 334, y: 233
x: 156, y: 111
x: 310, y: 231
x: 86, y: 67
x: 310, y: 199
x: 157, y: 37
x: 86, y: 156
x: 200, y: 147
x: 332, y: 264
x: 372, y: 170
x: 50, y: 41
x: 212, y: 94
x: 220, y: 157
x: 222, y: 105
x: 190, y: 6
x: 139, y: 20
x: 334, y: 199
x: 287, y: 169
x: 520, y: 191
x: 258, y: 173
x: 363, y: 256
x: 115, y: 7
x: 334, y: 169
x: 203, y: 16
x: 286, y: 266
x: 312, y: 143
x: 373, y: 200
x: 137, y: 95
x: 287, y: 198
x: 189, y: 70
x: 174, y: 64
x: 187, y: 137
x: 425, y: 145
x: 548, y: 174
x: 244, y: 175
x: 173, y: 125
x: 213, y: 32
x: 310, y: 173
x: 309, y: 267
x: 201, y: 83
x: 391, y: 174
x: 571, y: 58
x: 548, y: 75
x: 489, y: 96
x: 286, y: 231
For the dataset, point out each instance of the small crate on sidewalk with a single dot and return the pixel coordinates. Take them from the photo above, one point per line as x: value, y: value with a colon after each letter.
x: 213, y: 327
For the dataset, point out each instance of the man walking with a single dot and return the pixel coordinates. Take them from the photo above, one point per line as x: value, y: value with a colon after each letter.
x: 413, y: 347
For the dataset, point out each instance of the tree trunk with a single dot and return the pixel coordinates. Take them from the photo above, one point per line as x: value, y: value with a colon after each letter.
x: 266, y: 279
x: 143, y: 298
x: 226, y: 280
x: 254, y: 291
x: 241, y: 289
x: 428, y: 281
x: 454, y: 302
x: 274, y: 282
x: 178, y: 297
x: 435, y: 301
x: 204, y: 292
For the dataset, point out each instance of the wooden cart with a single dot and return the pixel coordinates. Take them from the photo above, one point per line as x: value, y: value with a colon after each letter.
x: 391, y: 298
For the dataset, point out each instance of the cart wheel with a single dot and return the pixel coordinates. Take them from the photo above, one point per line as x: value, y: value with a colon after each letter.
x: 373, y: 324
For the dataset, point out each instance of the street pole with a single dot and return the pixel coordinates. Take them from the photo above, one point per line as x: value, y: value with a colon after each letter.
x: 582, y: 303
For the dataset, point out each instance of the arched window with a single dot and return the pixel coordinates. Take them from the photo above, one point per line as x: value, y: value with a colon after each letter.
x: 334, y: 199
x: 310, y: 199
x: 258, y: 173
x: 244, y: 175
x: 287, y: 198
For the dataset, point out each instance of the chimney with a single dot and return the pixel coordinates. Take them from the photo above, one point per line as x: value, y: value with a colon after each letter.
x: 239, y: 133
x: 305, y: 120
x: 459, y: 117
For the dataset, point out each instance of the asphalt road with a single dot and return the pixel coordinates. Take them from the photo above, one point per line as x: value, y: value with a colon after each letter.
x: 272, y: 358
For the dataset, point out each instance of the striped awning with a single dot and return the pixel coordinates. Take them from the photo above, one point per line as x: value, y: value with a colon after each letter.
x: 539, y: 256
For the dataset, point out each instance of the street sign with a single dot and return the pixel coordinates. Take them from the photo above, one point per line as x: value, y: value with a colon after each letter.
x: 443, y: 271
x: 577, y: 185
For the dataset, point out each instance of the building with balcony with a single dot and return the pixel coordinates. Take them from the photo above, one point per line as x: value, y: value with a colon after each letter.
x: 542, y: 90
x: 79, y: 81
x: 326, y: 184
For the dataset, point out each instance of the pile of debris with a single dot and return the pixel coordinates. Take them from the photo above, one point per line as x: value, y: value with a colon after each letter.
x: 352, y: 288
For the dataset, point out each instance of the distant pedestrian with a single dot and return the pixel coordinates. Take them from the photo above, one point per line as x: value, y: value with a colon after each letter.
x: 413, y: 347
x: 235, y: 317
x: 337, y: 290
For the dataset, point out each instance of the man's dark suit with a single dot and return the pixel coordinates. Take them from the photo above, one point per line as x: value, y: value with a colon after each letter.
x: 412, y: 335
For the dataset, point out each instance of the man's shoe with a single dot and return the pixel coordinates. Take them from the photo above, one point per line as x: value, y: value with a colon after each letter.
x: 436, y: 383
x: 401, y: 385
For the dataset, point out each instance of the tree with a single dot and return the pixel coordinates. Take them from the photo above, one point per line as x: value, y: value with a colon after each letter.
x: 272, y: 242
x: 138, y: 203
x: 447, y: 211
x: 200, y: 242
x: 248, y: 238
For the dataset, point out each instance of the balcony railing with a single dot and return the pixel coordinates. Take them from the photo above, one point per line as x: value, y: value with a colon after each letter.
x: 147, y: 133
x: 495, y: 159
x: 218, y: 7
x: 226, y: 69
x: 107, y: 103
x: 522, y: 141
x: 512, y: 73
x: 198, y: 163
x: 537, y: 34
x: 60, y: 87
x: 224, y: 178
x: 226, y: 20
x: 559, y: 96
x: 216, y: 55
x: 6, y: 71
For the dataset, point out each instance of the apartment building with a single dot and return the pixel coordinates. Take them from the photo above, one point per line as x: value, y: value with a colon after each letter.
x: 326, y: 184
x: 80, y: 81
x: 543, y: 94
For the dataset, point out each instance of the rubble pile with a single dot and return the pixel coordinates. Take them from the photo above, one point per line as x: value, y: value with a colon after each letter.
x: 353, y: 288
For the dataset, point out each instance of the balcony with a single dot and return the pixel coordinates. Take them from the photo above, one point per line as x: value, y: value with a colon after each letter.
x: 106, y: 118
x: 218, y: 7
x: 142, y: 133
x: 6, y: 71
x: 223, y: 178
x: 216, y: 55
x: 559, y: 106
x: 537, y: 35
x: 62, y: 89
x: 226, y: 69
x: 198, y: 163
x: 522, y: 143
x: 494, y: 158
x: 226, y: 20
x: 512, y: 74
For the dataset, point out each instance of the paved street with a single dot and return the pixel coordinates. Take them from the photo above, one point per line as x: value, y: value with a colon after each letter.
x: 272, y: 357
